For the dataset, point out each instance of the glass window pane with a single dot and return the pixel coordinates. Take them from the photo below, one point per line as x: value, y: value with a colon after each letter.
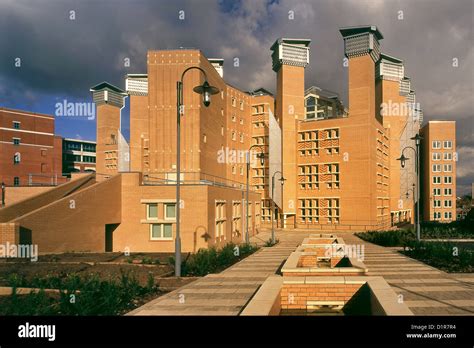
x: 170, y: 210
x: 156, y: 231
x: 168, y: 231
x: 153, y: 211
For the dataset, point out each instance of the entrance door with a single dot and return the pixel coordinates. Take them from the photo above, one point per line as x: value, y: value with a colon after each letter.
x: 109, y: 237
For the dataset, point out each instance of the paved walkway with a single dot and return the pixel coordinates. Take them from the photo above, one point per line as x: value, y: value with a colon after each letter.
x: 228, y: 292
x: 425, y: 290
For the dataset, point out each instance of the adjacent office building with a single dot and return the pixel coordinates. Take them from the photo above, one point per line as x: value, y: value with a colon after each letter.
x: 78, y: 155
x: 30, y: 153
x: 438, y: 169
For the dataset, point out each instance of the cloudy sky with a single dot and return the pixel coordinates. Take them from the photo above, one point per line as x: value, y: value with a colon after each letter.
x: 61, y: 58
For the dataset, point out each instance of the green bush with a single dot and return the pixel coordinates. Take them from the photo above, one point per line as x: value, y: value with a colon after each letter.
x: 450, y: 257
x: 269, y: 242
x: 388, y: 238
x: 211, y: 260
x: 77, y: 296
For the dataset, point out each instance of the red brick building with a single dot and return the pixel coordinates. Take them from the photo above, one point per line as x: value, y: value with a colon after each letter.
x: 30, y: 153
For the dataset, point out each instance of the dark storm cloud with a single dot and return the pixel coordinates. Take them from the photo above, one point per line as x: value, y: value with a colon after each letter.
x: 64, y: 57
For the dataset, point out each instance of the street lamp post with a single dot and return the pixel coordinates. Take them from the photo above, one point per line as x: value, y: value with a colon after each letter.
x: 282, y: 179
x: 3, y: 194
x: 413, y: 194
x: 206, y: 90
x: 403, y: 160
x: 261, y: 155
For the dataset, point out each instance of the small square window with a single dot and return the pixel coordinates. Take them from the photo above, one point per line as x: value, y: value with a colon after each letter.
x: 170, y: 211
x: 16, y: 141
x: 16, y: 125
x: 152, y: 211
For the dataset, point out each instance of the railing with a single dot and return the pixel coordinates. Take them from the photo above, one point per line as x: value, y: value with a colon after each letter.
x: 191, y: 178
x: 48, y: 179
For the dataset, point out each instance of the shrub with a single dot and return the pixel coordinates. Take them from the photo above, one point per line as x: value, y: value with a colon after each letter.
x: 388, y: 238
x: 269, y: 242
x: 450, y: 257
x: 211, y: 260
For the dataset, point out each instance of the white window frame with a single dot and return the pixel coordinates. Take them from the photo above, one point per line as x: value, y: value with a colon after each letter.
x: 148, y: 217
x: 447, y: 144
x: 162, y: 224
x: 165, y: 214
x: 450, y: 166
x: 436, y: 156
x: 448, y: 156
x: 436, y: 144
x: 448, y: 182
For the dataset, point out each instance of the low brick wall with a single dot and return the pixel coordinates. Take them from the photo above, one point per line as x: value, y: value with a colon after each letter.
x: 296, y: 296
x: 356, y: 295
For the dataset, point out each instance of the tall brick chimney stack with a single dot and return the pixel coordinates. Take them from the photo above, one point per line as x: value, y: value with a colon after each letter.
x: 290, y: 57
x: 109, y: 100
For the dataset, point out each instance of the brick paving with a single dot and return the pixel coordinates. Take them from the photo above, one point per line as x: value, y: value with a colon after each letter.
x: 425, y: 290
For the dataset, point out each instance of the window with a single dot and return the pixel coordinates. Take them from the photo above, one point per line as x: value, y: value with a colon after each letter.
x: 437, y: 203
x: 220, y: 220
x: 88, y: 159
x: 17, y: 158
x: 43, y: 153
x: 436, y: 144
x: 448, y: 192
x: 436, y: 156
x: 448, y: 180
x: 241, y: 138
x: 241, y: 170
x: 222, y: 130
x: 241, y: 105
x: 73, y: 146
x: 448, y: 168
x: 204, y: 138
x: 437, y: 215
x: 16, y: 141
x: 233, y: 101
x: 437, y: 192
x: 447, y: 215
x: 436, y: 167
x: 234, y: 118
x: 233, y: 135
x: 436, y: 180
x: 161, y: 231
x: 170, y: 211
x: 88, y: 147
x: 16, y: 125
x: 241, y: 121
x: 44, y: 167
x: 233, y: 170
x: 448, y: 156
x: 16, y: 181
x: 448, y: 144
x: 448, y: 204
x: 152, y: 211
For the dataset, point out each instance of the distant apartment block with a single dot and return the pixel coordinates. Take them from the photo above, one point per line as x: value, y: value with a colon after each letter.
x: 30, y: 153
x: 438, y: 170
x: 78, y: 155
